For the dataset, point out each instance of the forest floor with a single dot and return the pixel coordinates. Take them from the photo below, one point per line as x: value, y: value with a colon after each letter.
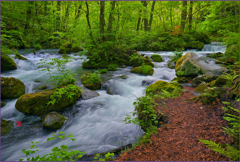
x: 178, y: 140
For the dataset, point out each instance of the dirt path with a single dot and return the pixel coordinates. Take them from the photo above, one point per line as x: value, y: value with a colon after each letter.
x: 178, y: 139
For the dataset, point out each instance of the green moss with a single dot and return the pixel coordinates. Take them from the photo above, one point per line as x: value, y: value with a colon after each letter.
x: 180, y: 80
x: 158, y: 86
x: 194, y: 45
x: 18, y: 56
x: 200, y: 88
x: 112, y: 68
x: 53, y: 120
x: 2, y: 104
x: 157, y: 58
x: 7, y: 63
x: 36, y: 103
x: 219, y: 82
x: 11, y: 88
x: 6, y: 126
x: 190, y: 69
x: 145, y: 70
x: 103, y: 71
x: 91, y: 81
x: 65, y: 56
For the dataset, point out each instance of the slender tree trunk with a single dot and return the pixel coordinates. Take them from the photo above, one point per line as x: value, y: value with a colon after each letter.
x: 139, y: 20
x: 151, y: 16
x: 190, y: 15
x: 110, y: 21
x: 145, y: 19
x: 58, y: 15
x: 89, y: 25
x: 102, y: 21
x: 78, y: 12
x: 28, y: 17
x: 183, y: 15
x: 66, y: 17
x: 171, y: 16
x: 163, y: 18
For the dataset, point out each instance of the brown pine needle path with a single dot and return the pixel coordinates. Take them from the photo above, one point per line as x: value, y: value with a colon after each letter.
x: 178, y: 139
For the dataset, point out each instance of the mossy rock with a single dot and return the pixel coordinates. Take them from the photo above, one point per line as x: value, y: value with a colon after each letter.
x: 7, y: 63
x: 54, y: 120
x: 11, y: 88
x: 157, y: 58
x: 158, y: 86
x: 145, y: 70
x: 218, y: 62
x: 200, y: 88
x: 102, y: 65
x: 138, y: 62
x: 102, y: 71
x: 36, y: 103
x: 112, y: 68
x: 2, y: 104
x: 65, y: 56
x: 18, y: 56
x: 195, y: 45
x: 171, y: 64
x: 91, y: 81
x: 232, y: 50
x: 219, y: 82
x: 203, y: 78
x: 6, y: 126
x: 180, y: 80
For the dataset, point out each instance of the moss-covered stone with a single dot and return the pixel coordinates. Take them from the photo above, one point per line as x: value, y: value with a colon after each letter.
x: 11, y: 88
x: 158, y: 86
x: 180, y: 80
x: 54, y: 120
x: 157, y: 58
x: 219, y: 82
x: 194, y: 45
x: 6, y: 126
x: 36, y: 103
x: 204, y: 78
x: 18, y: 56
x: 91, y: 81
x: 7, y: 63
x: 200, y: 88
x: 112, y: 68
x: 145, y: 70
x: 232, y: 50
x: 65, y: 56
x: 2, y: 104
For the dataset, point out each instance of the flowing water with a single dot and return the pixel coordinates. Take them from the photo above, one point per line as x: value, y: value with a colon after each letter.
x: 97, y: 123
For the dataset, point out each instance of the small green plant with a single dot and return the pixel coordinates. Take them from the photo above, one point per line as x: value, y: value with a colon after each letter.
x: 137, y: 58
x: 231, y: 151
x: 180, y: 73
x: 108, y: 157
x: 112, y: 68
x: 61, y: 153
x: 37, y: 47
x: 103, y: 71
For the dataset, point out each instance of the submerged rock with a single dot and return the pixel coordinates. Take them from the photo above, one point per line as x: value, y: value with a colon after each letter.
x: 7, y: 63
x: 11, y: 88
x: 204, y: 78
x: 147, y: 82
x: 87, y: 94
x: 54, y: 120
x: 36, y: 103
x: 6, y: 126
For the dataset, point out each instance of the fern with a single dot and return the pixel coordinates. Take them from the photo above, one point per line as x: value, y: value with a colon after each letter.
x: 214, y: 146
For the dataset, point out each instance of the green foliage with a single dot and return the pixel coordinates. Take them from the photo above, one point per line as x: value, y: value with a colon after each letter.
x: 112, y: 68
x: 137, y: 58
x: 209, y: 96
x: 61, y: 153
x: 37, y: 47
x: 103, y: 71
x: 108, y: 157
x: 90, y: 78
x: 180, y: 73
x: 177, y: 55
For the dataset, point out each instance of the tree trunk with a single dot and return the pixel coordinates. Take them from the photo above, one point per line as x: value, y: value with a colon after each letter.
x: 58, y: 15
x: 183, y: 15
x: 89, y: 25
x: 28, y: 17
x: 78, y: 12
x: 151, y: 16
x: 139, y: 20
x: 145, y: 19
x: 171, y: 16
x: 102, y: 21
x: 190, y: 16
x: 66, y: 17
x: 110, y: 21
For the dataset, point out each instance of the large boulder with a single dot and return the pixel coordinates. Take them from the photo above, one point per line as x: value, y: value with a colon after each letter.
x: 7, y: 63
x: 36, y: 103
x: 53, y: 120
x: 11, y: 88
x: 87, y: 94
x: 158, y: 86
x: 204, y: 78
x: 6, y: 126
x: 145, y: 70
x: 91, y: 81
x: 192, y: 65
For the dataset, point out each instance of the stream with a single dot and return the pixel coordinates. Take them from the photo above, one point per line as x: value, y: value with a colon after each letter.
x: 96, y: 123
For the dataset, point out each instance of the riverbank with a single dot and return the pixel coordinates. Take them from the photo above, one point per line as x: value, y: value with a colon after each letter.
x: 178, y: 139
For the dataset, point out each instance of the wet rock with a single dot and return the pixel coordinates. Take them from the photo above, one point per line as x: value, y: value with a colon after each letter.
x: 7, y: 63
x: 11, y: 88
x: 171, y: 64
x: 36, y: 103
x: 54, y: 120
x: 91, y: 81
x: 200, y: 89
x: 87, y: 94
x: 18, y: 56
x: 123, y: 76
x: 145, y: 70
x: 147, y: 82
x: 6, y: 126
x: 219, y: 82
x: 204, y: 78
x: 2, y: 104
x: 157, y: 58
